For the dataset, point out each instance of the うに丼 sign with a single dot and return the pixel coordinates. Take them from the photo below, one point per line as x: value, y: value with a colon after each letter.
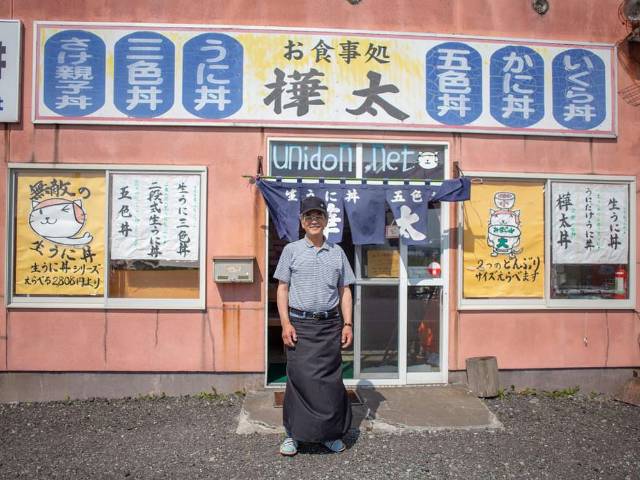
x: 115, y: 73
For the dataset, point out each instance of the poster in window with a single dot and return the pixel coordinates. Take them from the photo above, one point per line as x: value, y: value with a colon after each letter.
x: 589, y: 223
x: 504, y: 241
x: 383, y: 263
x: 155, y: 217
x: 59, y: 246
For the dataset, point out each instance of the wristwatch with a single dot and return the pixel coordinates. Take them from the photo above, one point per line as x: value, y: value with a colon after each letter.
x: 347, y: 325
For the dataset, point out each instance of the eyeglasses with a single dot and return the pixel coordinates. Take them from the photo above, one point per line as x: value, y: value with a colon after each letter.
x: 313, y: 218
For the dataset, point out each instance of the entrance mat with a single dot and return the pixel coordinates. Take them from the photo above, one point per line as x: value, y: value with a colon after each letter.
x: 277, y: 372
x: 278, y: 398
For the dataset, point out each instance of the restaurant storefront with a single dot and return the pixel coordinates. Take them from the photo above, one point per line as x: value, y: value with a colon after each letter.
x: 481, y: 177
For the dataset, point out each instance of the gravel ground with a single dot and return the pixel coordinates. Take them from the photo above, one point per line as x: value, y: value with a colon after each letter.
x: 190, y: 437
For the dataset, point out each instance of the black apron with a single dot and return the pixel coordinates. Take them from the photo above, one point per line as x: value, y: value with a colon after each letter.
x: 316, y: 405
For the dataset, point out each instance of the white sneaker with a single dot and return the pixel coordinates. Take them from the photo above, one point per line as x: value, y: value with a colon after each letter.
x: 289, y: 447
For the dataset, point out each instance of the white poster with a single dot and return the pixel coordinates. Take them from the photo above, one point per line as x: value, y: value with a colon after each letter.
x: 590, y: 223
x: 9, y: 70
x: 155, y: 217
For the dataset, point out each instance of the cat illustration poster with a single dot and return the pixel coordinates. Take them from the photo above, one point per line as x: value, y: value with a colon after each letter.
x: 503, y: 241
x: 59, y: 220
x: 59, y: 241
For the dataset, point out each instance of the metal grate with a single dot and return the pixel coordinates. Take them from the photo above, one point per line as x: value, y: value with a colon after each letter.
x: 278, y: 398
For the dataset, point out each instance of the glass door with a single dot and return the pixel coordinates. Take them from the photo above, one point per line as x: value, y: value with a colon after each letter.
x: 377, y: 308
x: 401, y: 309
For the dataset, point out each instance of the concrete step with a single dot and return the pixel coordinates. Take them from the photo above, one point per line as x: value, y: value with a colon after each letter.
x: 391, y: 410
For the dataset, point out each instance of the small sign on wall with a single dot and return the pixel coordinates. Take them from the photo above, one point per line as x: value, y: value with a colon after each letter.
x: 233, y: 269
x: 9, y: 70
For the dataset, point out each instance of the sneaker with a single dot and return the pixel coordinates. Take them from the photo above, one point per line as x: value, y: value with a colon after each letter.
x: 336, y: 446
x: 289, y: 447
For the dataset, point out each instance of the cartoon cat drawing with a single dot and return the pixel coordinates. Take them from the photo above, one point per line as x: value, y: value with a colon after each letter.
x: 428, y: 160
x: 504, y: 232
x: 58, y: 220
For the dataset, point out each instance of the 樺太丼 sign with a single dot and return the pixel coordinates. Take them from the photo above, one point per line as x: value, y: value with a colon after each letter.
x: 279, y: 77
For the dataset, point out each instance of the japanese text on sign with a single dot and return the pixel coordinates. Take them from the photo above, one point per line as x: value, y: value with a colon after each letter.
x: 590, y: 223
x: 504, y: 241
x: 155, y: 217
x: 284, y: 77
x: 59, y: 235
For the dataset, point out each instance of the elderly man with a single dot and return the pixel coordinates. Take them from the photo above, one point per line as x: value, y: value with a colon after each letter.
x: 315, y: 308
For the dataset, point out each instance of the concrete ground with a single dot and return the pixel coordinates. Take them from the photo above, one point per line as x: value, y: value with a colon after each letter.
x: 391, y: 410
x: 545, y: 435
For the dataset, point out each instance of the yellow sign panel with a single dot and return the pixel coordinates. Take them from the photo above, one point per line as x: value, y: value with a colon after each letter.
x: 504, y: 241
x: 383, y: 263
x: 59, y: 246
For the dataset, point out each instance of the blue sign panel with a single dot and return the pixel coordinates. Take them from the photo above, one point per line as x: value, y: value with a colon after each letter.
x: 144, y: 73
x: 212, y: 75
x: 454, y: 83
x: 579, y: 90
x: 517, y: 86
x: 74, y: 79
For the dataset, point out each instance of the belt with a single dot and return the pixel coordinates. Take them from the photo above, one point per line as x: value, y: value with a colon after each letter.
x: 327, y: 315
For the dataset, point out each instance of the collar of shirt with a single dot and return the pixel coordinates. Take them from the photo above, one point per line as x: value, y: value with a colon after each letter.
x: 309, y: 244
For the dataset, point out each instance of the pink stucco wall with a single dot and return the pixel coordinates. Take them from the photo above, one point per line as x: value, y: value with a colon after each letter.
x: 229, y: 335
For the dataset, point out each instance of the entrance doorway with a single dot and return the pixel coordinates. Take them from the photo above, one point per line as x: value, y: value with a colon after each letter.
x: 400, y: 305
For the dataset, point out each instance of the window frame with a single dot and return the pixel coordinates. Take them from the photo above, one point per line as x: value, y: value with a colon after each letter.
x: 548, y: 303
x: 104, y: 301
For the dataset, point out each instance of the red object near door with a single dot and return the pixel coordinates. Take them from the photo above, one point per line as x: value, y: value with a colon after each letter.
x: 434, y: 269
x: 620, y: 282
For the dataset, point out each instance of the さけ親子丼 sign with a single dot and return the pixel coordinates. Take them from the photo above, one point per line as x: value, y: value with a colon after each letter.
x: 196, y: 75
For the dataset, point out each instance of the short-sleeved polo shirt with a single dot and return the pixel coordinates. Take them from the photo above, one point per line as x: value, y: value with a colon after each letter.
x: 314, y: 274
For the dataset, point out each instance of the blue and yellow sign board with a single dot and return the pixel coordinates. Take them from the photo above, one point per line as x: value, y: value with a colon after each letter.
x: 246, y: 76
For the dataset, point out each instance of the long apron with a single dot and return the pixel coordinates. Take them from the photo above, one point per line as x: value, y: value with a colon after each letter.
x: 316, y: 406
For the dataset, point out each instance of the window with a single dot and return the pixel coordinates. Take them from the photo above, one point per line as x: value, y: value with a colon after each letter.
x: 116, y: 237
x: 589, y: 240
x: 555, y: 242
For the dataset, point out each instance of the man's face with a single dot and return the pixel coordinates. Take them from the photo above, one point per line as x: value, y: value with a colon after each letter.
x: 314, y: 222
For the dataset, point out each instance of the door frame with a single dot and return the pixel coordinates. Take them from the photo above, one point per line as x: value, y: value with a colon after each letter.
x: 405, y: 378
x: 403, y: 283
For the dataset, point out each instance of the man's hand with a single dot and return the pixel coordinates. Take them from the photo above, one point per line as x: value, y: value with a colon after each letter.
x: 289, y: 336
x: 346, y: 305
x: 347, y: 336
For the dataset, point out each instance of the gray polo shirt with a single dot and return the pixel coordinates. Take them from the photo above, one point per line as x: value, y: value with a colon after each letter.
x: 314, y: 275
